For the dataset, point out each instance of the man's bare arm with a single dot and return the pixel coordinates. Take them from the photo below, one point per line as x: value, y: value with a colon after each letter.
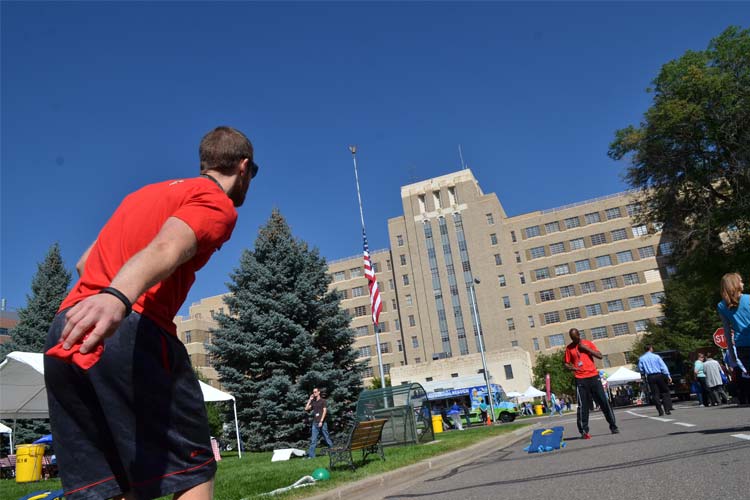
x: 81, y: 264
x: 101, y: 314
x: 594, y: 352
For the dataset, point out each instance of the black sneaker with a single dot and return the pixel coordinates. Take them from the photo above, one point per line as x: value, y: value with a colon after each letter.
x: 615, y: 430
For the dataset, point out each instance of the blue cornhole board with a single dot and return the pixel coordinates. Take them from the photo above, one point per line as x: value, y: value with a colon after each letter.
x: 546, y: 440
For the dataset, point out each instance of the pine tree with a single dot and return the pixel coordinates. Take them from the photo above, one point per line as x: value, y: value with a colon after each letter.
x: 48, y: 289
x: 284, y: 335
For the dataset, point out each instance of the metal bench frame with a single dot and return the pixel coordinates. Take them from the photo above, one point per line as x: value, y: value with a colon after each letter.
x: 365, y: 436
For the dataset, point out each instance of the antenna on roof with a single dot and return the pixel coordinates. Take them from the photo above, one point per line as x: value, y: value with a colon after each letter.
x: 461, y: 156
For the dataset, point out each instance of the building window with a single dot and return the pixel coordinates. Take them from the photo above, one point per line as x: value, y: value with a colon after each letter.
x: 551, y: 317
x: 522, y: 278
x: 551, y: 227
x: 638, y: 301
x: 361, y: 331
x: 358, y: 291
x: 399, y: 346
x: 628, y: 356
x: 572, y: 222
x: 511, y: 324
x: 619, y: 234
x: 535, y: 343
x: 339, y: 276
x: 567, y: 291
x: 598, y: 239
x: 400, y: 240
x: 624, y: 256
x: 493, y: 239
x: 532, y: 231
x: 375, y: 267
x: 409, y: 300
x: 518, y: 257
x: 605, y: 361
x: 582, y: 265
x: 417, y: 360
x: 577, y: 244
x: 526, y: 299
x: 657, y: 297
x: 388, y: 264
x: 620, y: 329
x: 490, y: 219
x: 514, y: 343
x: 364, y: 351
x: 412, y: 320
x: 414, y: 342
x: 501, y: 280
x: 562, y: 269
x: 397, y: 325
x: 640, y: 230
x: 600, y: 332
x: 556, y: 340
x: 405, y: 278
x: 356, y: 272
x: 508, y: 372
x: 633, y: 209
x: 402, y: 258
x: 537, y: 252
x: 646, y: 252
x: 506, y: 302
x: 641, y: 325
x: 367, y: 372
x: 603, y: 261
x: 609, y: 283
x: 513, y: 236
x: 593, y: 309
x: 666, y: 248
x: 592, y: 218
x: 344, y: 294
x: 385, y: 347
x: 556, y: 248
x: 360, y: 311
x: 531, y: 321
x: 588, y: 287
x: 615, y: 305
x: 671, y: 270
x: 452, y: 195
x: 630, y: 279
x: 541, y: 274
x: 393, y: 304
x: 391, y: 285
x: 547, y: 295
x: 572, y: 313
x: 613, y: 213
x: 188, y: 336
x: 498, y: 260
x: 436, y: 199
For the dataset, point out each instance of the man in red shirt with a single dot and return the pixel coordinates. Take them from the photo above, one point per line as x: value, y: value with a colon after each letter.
x: 127, y: 413
x: 579, y: 358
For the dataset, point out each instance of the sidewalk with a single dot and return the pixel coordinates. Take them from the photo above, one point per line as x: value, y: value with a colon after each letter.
x: 382, y: 485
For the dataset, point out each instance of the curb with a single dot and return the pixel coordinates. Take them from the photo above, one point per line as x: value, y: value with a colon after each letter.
x: 367, y: 488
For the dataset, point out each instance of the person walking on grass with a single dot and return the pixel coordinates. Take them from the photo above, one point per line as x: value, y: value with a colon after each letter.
x: 127, y: 415
x: 319, y: 408
x: 579, y: 358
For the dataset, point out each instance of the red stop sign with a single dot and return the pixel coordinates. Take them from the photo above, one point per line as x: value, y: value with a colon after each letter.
x: 719, y: 338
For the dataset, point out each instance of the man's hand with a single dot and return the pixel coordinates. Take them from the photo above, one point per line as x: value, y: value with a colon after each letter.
x: 92, y: 320
x: 669, y: 379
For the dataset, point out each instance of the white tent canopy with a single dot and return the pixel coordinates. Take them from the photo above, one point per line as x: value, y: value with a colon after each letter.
x: 4, y: 429
x: 622, y: 376
x: 23, y: 394
x: 533, y: 392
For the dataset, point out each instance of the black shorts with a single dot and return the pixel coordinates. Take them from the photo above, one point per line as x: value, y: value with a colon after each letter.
x: 135, y: 422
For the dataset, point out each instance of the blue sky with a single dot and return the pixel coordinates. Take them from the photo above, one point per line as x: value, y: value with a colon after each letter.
x: 100, y: 98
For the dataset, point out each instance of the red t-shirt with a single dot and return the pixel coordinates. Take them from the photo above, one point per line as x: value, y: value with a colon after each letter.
x: 582, y: 360
x: 198, y: 202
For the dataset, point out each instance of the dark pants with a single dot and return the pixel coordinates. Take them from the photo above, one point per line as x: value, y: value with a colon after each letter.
x: 588, y: 390
x: 704, y: 391
x: 660, y: 391
x: 742, y: 380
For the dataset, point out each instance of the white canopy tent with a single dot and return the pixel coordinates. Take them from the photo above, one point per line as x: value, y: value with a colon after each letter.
x: 532, y: 392
x: 23, y: 394
x: 513, y: 394
x: 623, y: 376
x: 4, y: 429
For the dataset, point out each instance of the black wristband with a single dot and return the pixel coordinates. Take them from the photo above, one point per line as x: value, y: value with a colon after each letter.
x: 117, y: 293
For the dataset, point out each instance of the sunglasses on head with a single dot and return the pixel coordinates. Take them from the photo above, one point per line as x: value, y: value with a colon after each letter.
x: 253, y: 168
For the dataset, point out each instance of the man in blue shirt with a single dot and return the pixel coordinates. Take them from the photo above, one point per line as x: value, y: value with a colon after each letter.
x: 656, y: 373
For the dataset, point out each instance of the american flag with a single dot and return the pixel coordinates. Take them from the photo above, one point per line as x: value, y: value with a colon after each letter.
x: 372, y: 284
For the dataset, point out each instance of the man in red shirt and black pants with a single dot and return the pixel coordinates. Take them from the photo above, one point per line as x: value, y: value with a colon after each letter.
x: 127, y: 414
x: 579, y: 358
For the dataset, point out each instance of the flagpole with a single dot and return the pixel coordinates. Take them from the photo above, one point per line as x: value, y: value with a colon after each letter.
x: 353, y: 150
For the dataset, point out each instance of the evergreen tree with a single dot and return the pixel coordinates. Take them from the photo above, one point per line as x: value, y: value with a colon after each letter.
x: 48, y: 289
x: 284, y: 335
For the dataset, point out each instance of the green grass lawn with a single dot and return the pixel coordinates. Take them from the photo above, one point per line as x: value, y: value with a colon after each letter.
x: 255, y: 474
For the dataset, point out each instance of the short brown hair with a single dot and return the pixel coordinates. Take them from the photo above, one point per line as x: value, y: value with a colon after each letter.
x: 731, y: 289
x: 222, y: 148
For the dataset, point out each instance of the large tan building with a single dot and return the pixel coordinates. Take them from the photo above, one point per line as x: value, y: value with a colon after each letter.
x: 587, y: 265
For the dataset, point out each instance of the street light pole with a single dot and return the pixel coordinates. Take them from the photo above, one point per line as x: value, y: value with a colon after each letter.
x: 481, y: 347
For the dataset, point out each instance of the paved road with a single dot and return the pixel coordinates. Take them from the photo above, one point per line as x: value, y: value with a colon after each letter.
x: 694, y: 453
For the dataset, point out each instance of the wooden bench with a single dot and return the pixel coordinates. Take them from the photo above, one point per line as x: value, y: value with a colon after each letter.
x: 364, y: 436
